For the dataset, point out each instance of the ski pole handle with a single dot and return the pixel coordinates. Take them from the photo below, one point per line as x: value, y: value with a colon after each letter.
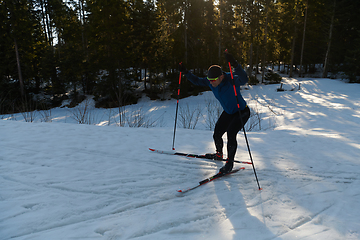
x: 232, y: 77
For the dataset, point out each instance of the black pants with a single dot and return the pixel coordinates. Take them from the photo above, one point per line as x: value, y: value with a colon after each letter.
x: 231, y: 124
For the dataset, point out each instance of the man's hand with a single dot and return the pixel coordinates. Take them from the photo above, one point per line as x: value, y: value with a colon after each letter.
x: 182, y: 68
x: 229, y: 58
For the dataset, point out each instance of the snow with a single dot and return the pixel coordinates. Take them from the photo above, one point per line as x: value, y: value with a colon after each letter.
x: 61, y: 180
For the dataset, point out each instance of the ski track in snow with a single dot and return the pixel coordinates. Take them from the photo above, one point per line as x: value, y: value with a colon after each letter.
x: 66, y: 181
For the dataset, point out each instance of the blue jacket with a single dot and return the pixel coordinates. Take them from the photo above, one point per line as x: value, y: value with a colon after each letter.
x: 225, y: 91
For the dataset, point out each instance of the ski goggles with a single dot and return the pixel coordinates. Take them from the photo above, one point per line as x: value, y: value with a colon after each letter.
x: 213, y: 79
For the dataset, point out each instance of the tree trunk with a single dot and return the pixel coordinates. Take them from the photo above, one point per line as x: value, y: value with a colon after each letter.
x: 85, y: 74
x: 220, y: 29
x: 185, y: 24
x: 19, y: 69
x: 303, y: 40
x: 44, y: 19
x: 325, y: 71
x: 257, y: 61
x: 251, y: 61
x: 47, y: 19
x: 264, y: 43
x: 293, y: 42
x: 145, y: 80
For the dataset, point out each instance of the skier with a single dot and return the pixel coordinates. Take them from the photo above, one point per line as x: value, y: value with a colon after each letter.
x: 229, y: 121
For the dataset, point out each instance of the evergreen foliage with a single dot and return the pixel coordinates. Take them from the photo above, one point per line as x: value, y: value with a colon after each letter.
x: 109, y: 48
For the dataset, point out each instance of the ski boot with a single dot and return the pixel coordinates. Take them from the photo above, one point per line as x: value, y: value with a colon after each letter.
x: 214, y: 156
x: 227, y: 167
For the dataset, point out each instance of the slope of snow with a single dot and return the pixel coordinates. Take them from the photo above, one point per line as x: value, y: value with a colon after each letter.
x: 71, y: 181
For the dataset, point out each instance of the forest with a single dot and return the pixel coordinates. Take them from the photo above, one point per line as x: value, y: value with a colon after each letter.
x: 51, y: 50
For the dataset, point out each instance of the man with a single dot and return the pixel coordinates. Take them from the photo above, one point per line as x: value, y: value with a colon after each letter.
x: 221, y: 85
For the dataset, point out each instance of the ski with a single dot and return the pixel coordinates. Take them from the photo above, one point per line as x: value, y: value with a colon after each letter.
x: 189, y: 155
x: 177, y: 153
x: 210, y: 179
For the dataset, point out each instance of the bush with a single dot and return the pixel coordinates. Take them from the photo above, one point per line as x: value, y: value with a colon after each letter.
x: 272, y: 78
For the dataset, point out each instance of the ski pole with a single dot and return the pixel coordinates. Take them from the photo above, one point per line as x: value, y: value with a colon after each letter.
x: 177, y: 106
x: 247, y: 142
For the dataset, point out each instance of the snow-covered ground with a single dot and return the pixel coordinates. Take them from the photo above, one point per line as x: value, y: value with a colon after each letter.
x: 73, y: 181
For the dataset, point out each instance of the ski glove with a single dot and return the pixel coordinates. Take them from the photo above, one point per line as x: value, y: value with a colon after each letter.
x: 182, y: 68
x: 229, y: 58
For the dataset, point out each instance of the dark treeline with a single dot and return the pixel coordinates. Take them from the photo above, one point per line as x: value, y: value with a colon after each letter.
x: 104, y: 48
